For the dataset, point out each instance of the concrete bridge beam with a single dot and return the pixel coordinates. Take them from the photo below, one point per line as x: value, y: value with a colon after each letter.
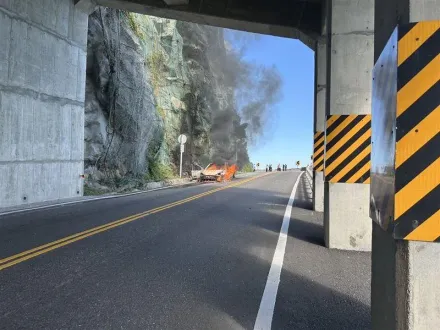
x: 295, y: 19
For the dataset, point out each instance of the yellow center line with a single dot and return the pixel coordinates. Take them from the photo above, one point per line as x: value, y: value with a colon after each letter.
x: 100, y: 227
x: 32, y: 253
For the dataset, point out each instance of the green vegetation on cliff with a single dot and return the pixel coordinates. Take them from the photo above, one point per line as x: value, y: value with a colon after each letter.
x: 159, y: 172
x: 150, y: 79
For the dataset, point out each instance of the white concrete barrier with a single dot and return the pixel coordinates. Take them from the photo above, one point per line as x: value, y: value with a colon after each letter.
x: 309, y: 178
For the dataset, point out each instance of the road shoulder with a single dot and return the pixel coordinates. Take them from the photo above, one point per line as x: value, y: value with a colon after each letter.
x: 320, y: 288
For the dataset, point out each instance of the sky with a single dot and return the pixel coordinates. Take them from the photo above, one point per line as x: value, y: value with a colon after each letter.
x: 290, y: 133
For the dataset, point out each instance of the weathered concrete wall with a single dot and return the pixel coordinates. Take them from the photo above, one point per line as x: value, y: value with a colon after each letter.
x: 349, y: 82
x: 42, y: 77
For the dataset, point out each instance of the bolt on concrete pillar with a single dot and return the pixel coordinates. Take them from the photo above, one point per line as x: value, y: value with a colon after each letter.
x: 406, y: 184
x: 319, y: 123
x: 350, y: 42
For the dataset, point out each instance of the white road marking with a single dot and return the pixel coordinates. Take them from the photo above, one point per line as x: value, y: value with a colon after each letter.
x: 267, y: 305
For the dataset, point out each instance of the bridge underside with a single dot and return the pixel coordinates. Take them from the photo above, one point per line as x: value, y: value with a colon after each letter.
x: 296, y: 19
x: 43, y: 48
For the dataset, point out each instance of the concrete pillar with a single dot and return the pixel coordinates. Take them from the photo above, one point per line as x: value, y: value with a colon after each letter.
x: 405, y: 288
x: 42, y: 87
x: 349, y: 70
x: 319, y: 124
x: 405, y: 291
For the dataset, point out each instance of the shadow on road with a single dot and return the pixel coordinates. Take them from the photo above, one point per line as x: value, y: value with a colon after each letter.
x: 307, y: 231
x: 202, y: 266
x: 304, y: 301
x: 306, y: 305
x: 307, y: 225
x: 302, y: 229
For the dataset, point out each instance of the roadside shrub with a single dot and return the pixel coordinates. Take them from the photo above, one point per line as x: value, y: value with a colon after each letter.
x: 158, y: 172
x: 247, y: 168
x: 89, y: 191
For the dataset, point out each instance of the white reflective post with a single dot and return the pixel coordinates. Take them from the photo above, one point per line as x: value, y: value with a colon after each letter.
x: 182, y: 140
x: 182, y: 149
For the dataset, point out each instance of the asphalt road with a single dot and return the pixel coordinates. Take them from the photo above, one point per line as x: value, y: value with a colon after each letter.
x: 200, y: 263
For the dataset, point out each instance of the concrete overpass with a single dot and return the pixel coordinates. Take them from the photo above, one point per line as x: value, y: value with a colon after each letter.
x: 299, y: 19
x: 42, y: 76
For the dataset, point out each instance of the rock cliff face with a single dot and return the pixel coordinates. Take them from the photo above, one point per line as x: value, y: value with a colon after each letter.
x: 149, y: 80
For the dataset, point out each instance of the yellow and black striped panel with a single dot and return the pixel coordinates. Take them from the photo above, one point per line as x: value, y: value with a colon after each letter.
x: 318, y: 152
x: 348, y: 148
x: 417, y: 163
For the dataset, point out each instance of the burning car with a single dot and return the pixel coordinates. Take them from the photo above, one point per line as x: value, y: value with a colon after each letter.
x: 196, y: 170
x: 214, y: 172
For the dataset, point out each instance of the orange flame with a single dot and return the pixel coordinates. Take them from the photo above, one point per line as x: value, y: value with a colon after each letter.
x: 229, y: 171
x: 214, y: 167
